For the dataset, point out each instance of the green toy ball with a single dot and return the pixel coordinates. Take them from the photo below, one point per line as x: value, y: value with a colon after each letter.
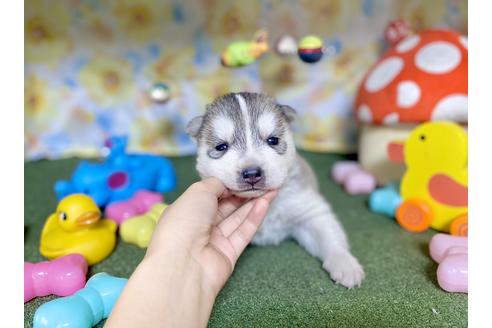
x: 310, y: 49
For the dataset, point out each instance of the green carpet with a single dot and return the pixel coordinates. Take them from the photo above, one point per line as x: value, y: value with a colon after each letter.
x: 283, y: 286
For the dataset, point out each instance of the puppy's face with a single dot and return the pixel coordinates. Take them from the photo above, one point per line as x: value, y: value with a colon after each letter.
x: 244, y: 139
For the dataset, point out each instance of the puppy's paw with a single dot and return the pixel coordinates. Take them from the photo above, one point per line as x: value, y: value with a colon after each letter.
x: 344, y: 269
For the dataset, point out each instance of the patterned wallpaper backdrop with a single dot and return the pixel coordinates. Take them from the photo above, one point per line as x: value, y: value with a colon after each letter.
x: 89, y: 65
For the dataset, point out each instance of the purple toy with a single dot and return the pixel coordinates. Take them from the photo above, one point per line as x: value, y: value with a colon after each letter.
x: 451, y: 252
x: 355, y: 180
x: 62, y: 277
x: 140, y: 203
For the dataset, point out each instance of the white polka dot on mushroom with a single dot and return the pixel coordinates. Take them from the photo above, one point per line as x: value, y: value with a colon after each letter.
x: 364, y: 114
x: 391, y: 119
x: 408, y: 43
x: 383, y: 74
x: 453, y: 108
x: 438, y: 57
x: 408, y: 94
x: 464, y: 41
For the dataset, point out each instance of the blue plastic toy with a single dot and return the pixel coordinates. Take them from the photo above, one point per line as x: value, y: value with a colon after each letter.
x: 385, y: 200
x: 85, y: 308
x: 119, y: 176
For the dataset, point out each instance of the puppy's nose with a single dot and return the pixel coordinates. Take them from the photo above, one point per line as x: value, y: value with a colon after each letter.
x: 252, y: 175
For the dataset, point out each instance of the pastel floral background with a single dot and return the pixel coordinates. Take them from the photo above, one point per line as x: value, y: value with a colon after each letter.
x: 90, y: 64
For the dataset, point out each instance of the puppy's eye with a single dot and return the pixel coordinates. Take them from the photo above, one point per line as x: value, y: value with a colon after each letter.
x: 222, y: 147
x: 63, y: 216
x: 272, y: 141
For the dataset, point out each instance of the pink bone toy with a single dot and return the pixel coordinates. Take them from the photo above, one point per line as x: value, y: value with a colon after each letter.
x: 354, y: 179
x: 451, y: 252
x: 140, y: 203
x: 62, y: 277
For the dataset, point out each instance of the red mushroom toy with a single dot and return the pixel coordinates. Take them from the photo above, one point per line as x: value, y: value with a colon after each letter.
x: 423, y: 77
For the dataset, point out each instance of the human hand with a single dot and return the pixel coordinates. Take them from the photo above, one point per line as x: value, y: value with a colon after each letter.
x: 211, y: 227
x: 195, y: 246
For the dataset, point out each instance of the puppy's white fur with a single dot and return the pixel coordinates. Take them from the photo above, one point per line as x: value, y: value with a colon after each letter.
x: 223, y: 127
x: 299, y: 211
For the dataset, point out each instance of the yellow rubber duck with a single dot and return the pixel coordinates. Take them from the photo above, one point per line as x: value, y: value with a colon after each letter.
x: 138, y: 230
x: 76, y: 227
x: 434, y: 188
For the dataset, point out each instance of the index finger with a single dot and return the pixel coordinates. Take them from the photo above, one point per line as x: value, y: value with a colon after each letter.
x: 211, y: 185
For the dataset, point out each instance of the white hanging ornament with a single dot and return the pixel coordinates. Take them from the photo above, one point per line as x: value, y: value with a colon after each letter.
x: 160, y: 93
x: 286, y: 46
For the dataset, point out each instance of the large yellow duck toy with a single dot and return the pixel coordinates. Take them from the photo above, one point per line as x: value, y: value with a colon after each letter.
x: 76, y: 227
x: 434, y: 189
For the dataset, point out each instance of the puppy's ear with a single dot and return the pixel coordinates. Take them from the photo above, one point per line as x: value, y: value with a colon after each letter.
x: 194, y: 126
x: 289, y: 112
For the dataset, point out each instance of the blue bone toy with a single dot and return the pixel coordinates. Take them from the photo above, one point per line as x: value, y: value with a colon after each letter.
x: 385, y: 200
x: 120, y: 176
x: 85, y: 308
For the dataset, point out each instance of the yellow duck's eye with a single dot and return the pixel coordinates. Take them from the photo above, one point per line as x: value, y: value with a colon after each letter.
x: 63, y: 216
x: 422, y: 137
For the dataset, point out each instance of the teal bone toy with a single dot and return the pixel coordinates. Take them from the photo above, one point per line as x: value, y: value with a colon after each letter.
x: 85, y: 308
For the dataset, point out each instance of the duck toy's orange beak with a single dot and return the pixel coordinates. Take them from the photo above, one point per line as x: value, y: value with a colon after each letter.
x: 395, y: 151
x: 88, y: 218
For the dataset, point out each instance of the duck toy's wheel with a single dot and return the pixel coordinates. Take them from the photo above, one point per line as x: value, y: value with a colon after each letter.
x: 459, y: 226
x: 414, y: 215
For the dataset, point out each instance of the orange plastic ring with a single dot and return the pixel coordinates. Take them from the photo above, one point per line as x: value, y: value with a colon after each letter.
x: 414, y: 215
x: 459, y: 226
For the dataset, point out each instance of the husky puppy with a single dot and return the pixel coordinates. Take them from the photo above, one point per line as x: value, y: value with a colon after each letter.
x: 245, y: 140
